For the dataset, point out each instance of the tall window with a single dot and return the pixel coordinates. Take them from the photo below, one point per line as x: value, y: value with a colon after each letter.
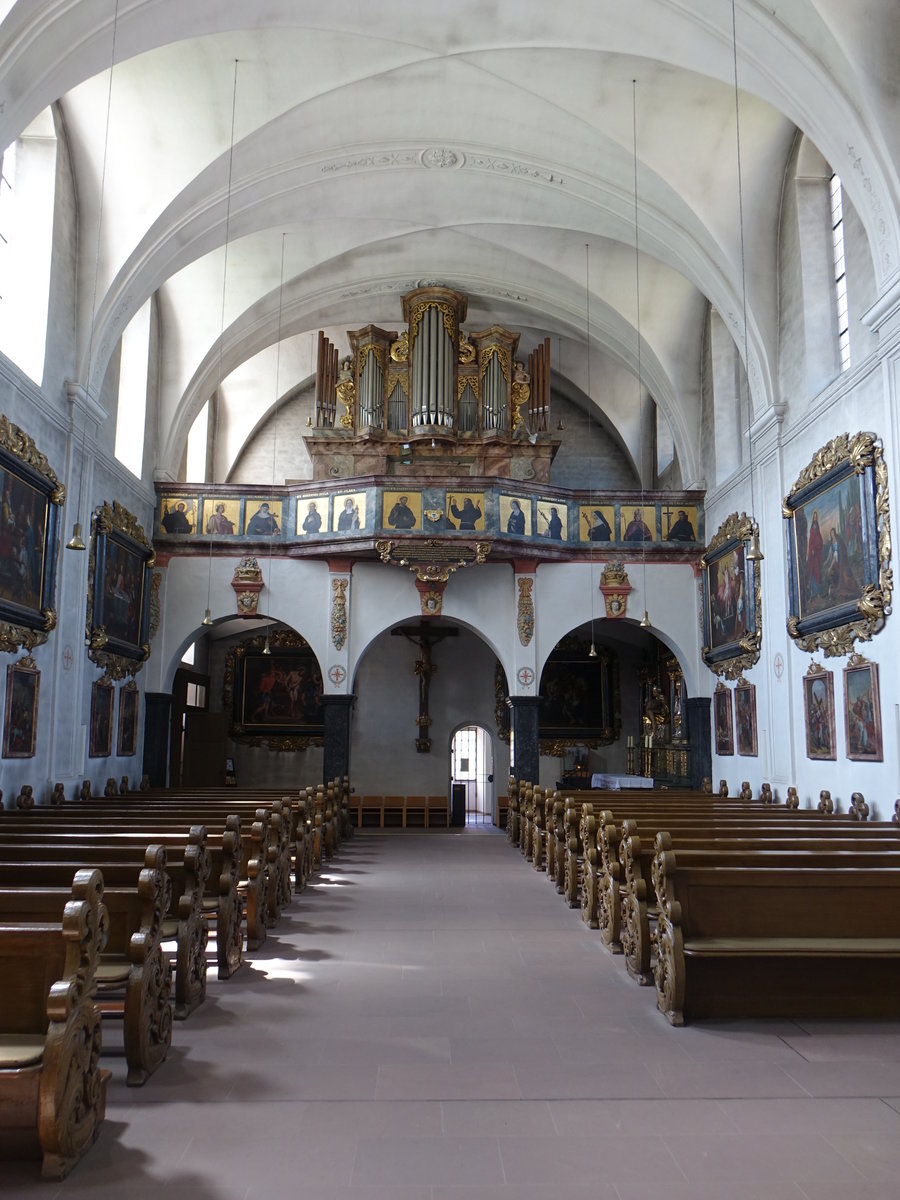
x: 840, y: 271
x: 27, y: 193
x: 133, y: 367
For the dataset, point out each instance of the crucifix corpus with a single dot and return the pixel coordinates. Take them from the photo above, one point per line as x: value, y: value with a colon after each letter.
x: 424, y: 636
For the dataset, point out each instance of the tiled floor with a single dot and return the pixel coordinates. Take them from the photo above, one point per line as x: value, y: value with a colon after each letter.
x: 430, y: 1022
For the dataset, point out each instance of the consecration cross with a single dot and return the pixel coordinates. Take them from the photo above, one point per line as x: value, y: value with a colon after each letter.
x: 424, y: 636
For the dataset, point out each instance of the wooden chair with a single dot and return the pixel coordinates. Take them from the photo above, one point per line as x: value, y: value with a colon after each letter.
x: 438, y: 812
x: 371, y: 812
x: 416, y: 811
x: 394, y: 811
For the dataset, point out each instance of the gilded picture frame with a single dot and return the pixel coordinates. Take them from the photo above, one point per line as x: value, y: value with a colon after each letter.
x: 731, y: 599
x: 837, y: 528
x: 818, y: 713
x: 862, y: 711
x: 20, y: 714
x: 275, y: 698
x: 31, y: 499
x: 119, y: 575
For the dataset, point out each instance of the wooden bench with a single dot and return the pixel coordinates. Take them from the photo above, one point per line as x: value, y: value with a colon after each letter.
x: 134, y: 976
x: 742, y: 941
x: 52, y: 1089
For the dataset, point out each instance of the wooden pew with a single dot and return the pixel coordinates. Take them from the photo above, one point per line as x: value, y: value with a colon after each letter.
x: 52, y: 1089
x: 133, y: 973
x: 233, y: 859
x: 759, y: 941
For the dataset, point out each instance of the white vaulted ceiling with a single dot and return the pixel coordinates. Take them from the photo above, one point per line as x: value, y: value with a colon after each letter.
x: 479, y: 144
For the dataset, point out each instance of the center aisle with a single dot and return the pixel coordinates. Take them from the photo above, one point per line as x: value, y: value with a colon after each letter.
x: 429, y: 1021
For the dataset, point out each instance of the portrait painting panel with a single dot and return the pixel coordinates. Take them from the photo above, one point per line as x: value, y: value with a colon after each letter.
x: 862, y: 713
x: 128, y: 712
x: 597, y: 523
x: 349, y: 512
x: 221, y: 516
x: 515, y: 515
x: 23, y: 513
x: 679, y: 524
x: 262, y: 516
x: 745, y: 719
x: 727, y: 597
x: 818, y: 707
x: 638, y: 523
x: 724, y: 723
x: 401, y: 510
x: 312, y: 515
x: 465, y: 511
x: 178, y: 514
x: 100, y: 733
x: 575, y: 697
x: 828, y: 533
x: 552, y: 520
x: 279, y: 692
x: 23, y: 683
x: 123, y: 591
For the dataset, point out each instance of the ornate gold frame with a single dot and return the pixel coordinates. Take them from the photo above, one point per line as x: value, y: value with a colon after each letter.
x: 732, y: 658
x: 20, y: 626
x: 277, y: 639
x: 835, y: 631
x: 114, y: 523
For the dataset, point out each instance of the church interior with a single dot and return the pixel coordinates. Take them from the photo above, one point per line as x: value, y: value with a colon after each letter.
x: 385, y: 532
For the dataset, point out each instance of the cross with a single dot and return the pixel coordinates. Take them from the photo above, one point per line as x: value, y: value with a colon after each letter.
x: 424, y: 636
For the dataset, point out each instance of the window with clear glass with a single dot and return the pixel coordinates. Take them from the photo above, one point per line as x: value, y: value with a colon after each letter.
x: 840, y: 272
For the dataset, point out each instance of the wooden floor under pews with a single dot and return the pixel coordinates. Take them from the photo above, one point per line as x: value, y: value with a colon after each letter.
x: 430, y: 1021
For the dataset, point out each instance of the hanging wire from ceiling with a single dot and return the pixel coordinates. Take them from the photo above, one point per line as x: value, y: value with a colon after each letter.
x: 645, y: 619
x: 267, y: 648
x: 592, y: 653
x: 76, y: 541
x: 754, y: 553
x: 214, y: 405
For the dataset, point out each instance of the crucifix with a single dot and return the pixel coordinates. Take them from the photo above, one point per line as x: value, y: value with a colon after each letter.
x: 424, y: 636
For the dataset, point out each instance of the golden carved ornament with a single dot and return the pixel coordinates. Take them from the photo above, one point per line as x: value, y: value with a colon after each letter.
x: 400, y: 348
x: 446, y: 311
x: 17, y: 442
x: 487, y: 353
x: 861, y: 450
x: 433, y: 560
x: 466, y: 350
x: 345, y: 391
x: 377, y: 352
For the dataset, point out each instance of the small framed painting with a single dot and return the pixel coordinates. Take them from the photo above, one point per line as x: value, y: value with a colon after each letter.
x: 818, y: 709
x: 745, y: 718
x: 515, y: 515
x: 724, y: 724
x: 598, y: 523
x: 128, y: 711
x: 23, y: 682
x: 862, y: 711
x: 100, y: 734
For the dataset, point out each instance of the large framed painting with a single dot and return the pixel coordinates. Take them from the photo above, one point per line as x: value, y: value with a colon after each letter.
x: 274, y: 690
x: 23, y: 683
x: 100, y: 731
x: 818, y: 709
x: 862, y: 711
x: 839, y: 546
x: 731, y: 600
x: 118, y: 621
x: 30, y: 501
x: 723, y: 718
x: 745, y: 718
x: 126, y: 743
x: 578, y: 700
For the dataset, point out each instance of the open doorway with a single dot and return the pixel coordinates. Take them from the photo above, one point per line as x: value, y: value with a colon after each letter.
x: 472, y: 771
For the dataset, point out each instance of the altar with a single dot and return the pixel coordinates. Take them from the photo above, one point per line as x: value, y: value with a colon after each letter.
x: 615, y: 783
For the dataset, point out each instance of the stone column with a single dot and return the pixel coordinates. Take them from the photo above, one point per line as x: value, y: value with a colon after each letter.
x: 699, y: 734
x: 336, y: 759
x: 526, y: 745
x: 157, y: 724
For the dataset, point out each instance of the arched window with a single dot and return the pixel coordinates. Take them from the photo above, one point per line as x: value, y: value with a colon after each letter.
x: 27, y: 195
x: 132, y: 410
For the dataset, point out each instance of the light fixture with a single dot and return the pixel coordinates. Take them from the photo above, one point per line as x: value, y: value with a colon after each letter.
x: 592, y: 653
x: 754, y: 553
x: 215, y: 401
x: 76, y: 541
x: 207, y: 618
x: 645, y: 620
x: 266, y: 650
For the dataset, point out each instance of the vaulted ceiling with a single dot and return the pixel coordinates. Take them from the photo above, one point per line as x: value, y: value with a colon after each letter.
x: 485, y: 145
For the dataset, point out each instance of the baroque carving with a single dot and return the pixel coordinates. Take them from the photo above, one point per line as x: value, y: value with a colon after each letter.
x: 525, y: 610
x: 339, y: 612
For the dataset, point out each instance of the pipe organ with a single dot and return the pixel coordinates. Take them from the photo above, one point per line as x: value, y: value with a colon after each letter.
x: 430, y: 383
